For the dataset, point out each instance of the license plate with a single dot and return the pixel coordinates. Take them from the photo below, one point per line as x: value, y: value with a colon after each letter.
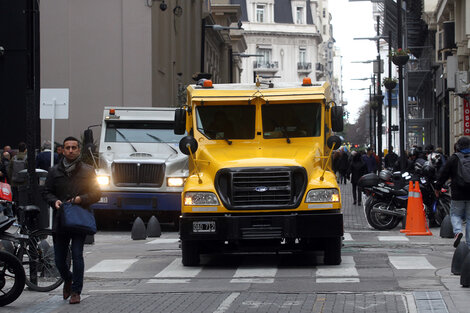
x: 103, y: 200
x: 204, y: 227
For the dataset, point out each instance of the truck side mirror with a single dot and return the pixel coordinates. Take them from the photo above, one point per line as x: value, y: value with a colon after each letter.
x: 186, y: 143
x: 180, y: 122
x: 334, y: 140
x: 337, y: 123
x: 88, y: 137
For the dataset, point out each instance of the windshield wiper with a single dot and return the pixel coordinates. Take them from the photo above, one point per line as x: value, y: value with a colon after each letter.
x: 154, y: 137
x: 161, y: 141
x: 125, y: 138
x: 215, y: 132
x: 284, y: 130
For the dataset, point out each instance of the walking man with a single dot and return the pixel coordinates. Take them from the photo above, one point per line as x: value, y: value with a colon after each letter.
x: 70, y: 181
x: 457, y: 168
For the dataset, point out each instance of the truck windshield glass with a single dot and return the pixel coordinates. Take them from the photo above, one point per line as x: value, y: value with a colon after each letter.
x: 227, y: 121
x: 143, y: 132
x: 290, y: 120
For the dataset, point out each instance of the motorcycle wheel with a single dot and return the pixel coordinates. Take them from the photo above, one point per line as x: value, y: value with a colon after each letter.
x: 380, y: 221
x: 442, y: 210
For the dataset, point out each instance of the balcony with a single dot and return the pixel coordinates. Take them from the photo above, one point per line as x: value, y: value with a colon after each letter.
x: 267, y: 67
x: 304, y: 67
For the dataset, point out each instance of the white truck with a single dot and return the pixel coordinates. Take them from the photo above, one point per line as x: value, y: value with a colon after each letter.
x: 141, y: 170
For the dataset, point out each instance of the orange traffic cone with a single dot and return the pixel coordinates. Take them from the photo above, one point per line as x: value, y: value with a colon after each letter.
x: 411, y: 200
x: 418, y: 224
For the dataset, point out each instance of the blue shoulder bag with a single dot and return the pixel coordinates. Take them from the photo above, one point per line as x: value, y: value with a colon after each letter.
x: 76, y: 219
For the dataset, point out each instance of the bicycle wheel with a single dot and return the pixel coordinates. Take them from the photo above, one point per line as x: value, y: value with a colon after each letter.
x: 37, y: 257
x: 12, y: 278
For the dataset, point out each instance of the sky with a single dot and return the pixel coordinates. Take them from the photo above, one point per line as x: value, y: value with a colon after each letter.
x: 352, y: 20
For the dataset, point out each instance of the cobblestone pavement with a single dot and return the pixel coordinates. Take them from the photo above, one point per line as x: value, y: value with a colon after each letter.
x: 380, y: 272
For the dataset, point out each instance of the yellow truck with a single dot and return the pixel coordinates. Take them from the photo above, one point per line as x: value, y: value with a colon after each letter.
x: 260, y: 169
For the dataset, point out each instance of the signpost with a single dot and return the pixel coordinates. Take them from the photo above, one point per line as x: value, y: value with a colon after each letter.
x: 54, y: 104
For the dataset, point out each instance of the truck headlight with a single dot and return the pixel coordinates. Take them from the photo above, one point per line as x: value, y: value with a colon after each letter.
x: 200, y: 198
x: 175, y: 181
x: 323, y: 195
x: 103, y: 180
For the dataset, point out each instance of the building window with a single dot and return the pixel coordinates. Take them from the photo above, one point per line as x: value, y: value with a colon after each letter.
x: 324, y: 29
x: 265, y: 60
x: 302, y: 56
x: 300, y: 15
x: 260, y: 12
x: 324, y: 13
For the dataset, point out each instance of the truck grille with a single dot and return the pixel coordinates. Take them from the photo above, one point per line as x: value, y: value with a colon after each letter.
x: 261, y: 188
x: 137, y: 174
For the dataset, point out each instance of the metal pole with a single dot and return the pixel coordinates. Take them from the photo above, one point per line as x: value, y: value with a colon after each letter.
x: 370, y: 118
x: 389, y: 92
x: 379, y: 98
x: 53, y: 131
x: 203, y: 43
x: 374, y: 110
x: 400, y: 90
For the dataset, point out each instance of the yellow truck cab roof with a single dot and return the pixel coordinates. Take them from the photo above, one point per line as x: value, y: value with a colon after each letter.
x: 293, y: 91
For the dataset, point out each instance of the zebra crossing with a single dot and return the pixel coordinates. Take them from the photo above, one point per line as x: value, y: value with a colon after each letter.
x: 267, y: 273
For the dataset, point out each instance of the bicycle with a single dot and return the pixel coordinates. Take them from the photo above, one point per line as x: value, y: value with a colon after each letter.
x: 35, y: 249
x: 12, y: 275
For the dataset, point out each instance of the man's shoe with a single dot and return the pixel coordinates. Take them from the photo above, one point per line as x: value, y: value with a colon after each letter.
x: 67, y: 289
x: 354, y: 203
x: 75, y: 298
x: 457, y: 239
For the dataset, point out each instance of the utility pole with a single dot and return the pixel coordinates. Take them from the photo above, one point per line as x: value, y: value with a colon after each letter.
x: 400, y: 90
x: 379, y: 96
x: 389, y: 92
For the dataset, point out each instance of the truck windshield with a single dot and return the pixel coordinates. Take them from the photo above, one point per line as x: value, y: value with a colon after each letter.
x: 290, y: 120
x: 226, y: 121
x: 142, y: 132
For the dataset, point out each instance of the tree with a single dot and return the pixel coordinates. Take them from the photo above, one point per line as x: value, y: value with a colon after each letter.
x: 358, y: 132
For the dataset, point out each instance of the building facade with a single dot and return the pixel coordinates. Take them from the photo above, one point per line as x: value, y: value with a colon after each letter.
x: 132, y: 53
x: 288, y: 40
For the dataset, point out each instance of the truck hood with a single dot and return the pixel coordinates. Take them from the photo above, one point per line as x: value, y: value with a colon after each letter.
x: 293, y: 154
x: 157, y: 152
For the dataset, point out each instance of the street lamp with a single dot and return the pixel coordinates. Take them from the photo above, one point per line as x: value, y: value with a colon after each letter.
x: 379, y: 97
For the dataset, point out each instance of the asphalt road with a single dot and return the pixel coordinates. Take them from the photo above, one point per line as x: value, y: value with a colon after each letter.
x: 380, y: 272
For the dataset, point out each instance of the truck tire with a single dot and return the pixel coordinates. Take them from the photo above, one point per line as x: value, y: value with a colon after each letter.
x: 332, y: 251
x: 190, y: 253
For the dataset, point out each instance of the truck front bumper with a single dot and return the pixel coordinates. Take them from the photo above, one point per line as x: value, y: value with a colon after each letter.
x: 134, y: 201
x: 258, y: 227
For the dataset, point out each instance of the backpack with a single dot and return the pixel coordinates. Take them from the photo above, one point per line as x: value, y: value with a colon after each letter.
x: 17, y: 166
x: 463, y: 170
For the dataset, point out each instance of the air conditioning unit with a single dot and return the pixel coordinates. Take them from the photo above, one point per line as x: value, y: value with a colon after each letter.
x: 462, y: 82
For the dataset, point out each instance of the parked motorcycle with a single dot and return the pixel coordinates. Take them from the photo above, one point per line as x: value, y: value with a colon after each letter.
x: 387, y: 198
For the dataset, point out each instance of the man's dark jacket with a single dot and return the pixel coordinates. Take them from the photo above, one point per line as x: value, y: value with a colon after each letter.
x: 61, y: 187
x: 449, y: 170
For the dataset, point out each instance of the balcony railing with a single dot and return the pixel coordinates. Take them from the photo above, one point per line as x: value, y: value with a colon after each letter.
x: 304, y: 65
x: 266, y: 65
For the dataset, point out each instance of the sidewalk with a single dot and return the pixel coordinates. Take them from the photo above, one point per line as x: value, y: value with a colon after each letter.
x: 456, y: 298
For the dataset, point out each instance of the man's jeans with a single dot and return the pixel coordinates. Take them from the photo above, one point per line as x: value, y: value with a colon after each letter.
x: 460, y: 211
x: 61, y: 248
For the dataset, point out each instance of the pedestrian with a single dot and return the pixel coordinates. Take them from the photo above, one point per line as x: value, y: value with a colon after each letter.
x: 60, y: 153
x: 43, y: 159
x: 4, y: 165
x: 18, y: 163
x: 370, y: 161
x: 343, y: 165
x: 70, y: 181
x: 457, y: 168
x: 390, y: 159
x: 336, y: 164
x: 356, y: 169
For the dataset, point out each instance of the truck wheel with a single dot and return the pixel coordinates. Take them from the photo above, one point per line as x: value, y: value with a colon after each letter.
x: 190, y: 253
x: 332, y: 251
